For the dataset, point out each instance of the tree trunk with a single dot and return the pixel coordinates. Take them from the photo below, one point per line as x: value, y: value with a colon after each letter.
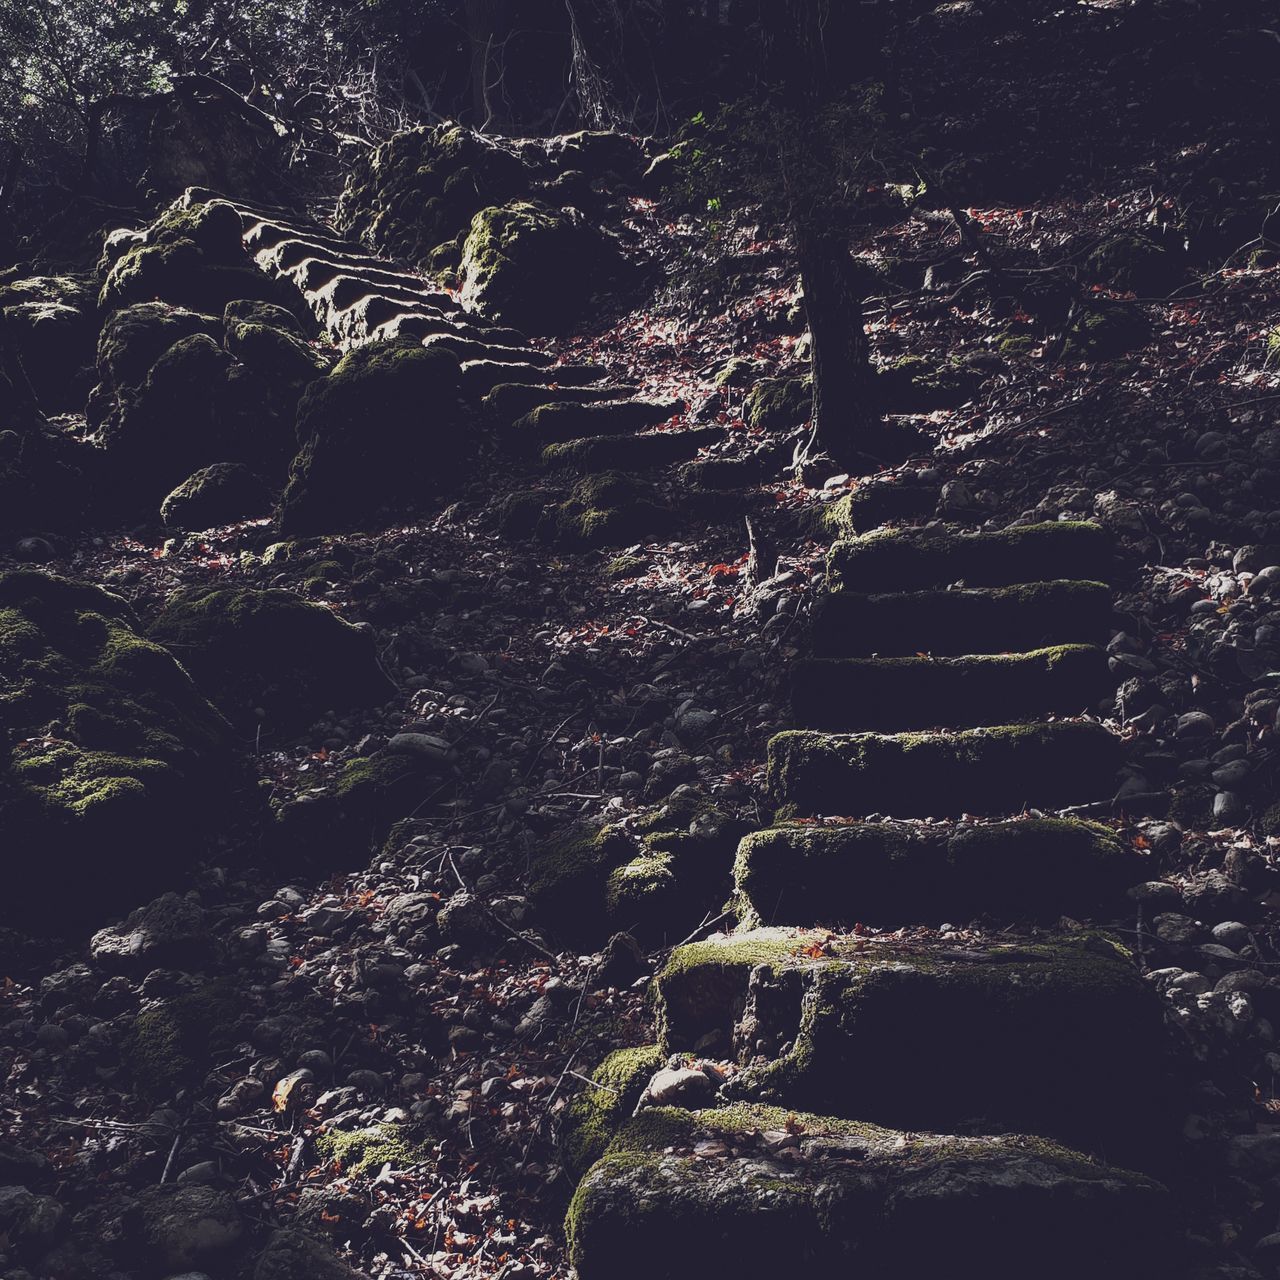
x: 484, y: 22
x: 845, y: 422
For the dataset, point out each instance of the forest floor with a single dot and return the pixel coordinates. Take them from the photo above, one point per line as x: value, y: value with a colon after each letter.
x: 575, y: 677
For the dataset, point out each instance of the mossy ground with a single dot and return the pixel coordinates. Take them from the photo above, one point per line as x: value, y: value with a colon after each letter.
x: 365, y: 1151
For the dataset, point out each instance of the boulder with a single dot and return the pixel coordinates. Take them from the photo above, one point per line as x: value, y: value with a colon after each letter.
x: 170, y: 933
x: 384, y: 431
x: 192, y: 256
x: 180, y: 1228
x: 293, y: 1255
x: 219, y: 494
x: 52, y: 326
x: 271, y: 652
x: 113, y: 762
x: 534, y: 267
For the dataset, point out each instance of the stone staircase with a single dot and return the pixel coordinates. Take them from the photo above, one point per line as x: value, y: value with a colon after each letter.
x: 834, y: 1095
x: 815, y: 1064
x: 571, y: 417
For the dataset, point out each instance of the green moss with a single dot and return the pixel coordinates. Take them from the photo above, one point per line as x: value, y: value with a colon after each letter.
x: 594, y: 1115
x: 216, y: 495
x: 625, y: 567
x: 1016, y: 345
x: 629, y: 453
x: 167, y: 1044
x: 776, y: 404
x: 365, y: 1151
x: 1106, y: 331
x: 608, y: 507
x: 1133, y: 264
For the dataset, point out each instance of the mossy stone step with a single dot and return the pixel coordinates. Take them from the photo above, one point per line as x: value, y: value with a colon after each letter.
x: 759, y: 1193
x: 988, y: 771
x: 511, y: 400
x: 914, y: 559
x: 480, y: 376
x: 629, y: 453
x: 1061, y: 1038
x: 556, y: 422
x: 849, y: 624
x: 916, y: 693
x: 888, y: 874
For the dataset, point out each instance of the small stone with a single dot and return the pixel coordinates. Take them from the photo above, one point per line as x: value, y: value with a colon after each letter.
x: 1266, y: 582
x: 1231, y: 933
x: 1232, y: 774
x: 1175, y: 930
x: 182, y: 1227
x: 1229, y: 806
x: 1194, y: 724
x: 679, y: 1087
x: 426, y: 745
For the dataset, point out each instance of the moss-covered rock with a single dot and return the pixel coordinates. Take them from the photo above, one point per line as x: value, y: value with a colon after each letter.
x: 858, y: 1195
x: 871, y: 505
x: 629, y: 453
x: 192, y: 256
x: 51, y: 323
x: 777, y: 404
x: 890, y: 873
x: 535, y: 267
x: 608, y: 508
x: 594, y: 1116
x: 422, y: 187
x: 568, y: 879
x: 173, y: 398
x: 982, y: 771
x: 971, y: 620
x: 1134, y: 264
x: 564, y: 420
x: 507, y: 401
x: 271, y: 652
x: 894, y: 694
x: 114, y: 761
x: 912, y: 384
x: 915, y: 559
x: 219, y: 494
x: 1106, y: 330
x: 384, y: 432
x: 1062, y: 1038
x: 167, y: 1044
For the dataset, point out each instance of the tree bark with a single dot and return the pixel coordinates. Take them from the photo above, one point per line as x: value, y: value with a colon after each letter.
x: 845, y: 422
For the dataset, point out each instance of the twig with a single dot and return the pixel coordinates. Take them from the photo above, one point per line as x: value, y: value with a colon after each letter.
x: 173, y: 1151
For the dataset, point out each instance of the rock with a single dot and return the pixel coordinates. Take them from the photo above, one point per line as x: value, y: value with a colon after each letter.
x: 1194, y: 724
x: 90, y: 814
x: 185, y: 1227
x: 534, y: 267
x: 1266, y: 582
x: 622, y: 962
x: 679, y: 1087
x: 426, y: 745
x: 171, y: 933
x: 1229, y: 807
x: 1158, y: 895
x: 251, y: 649
x: 51, y: 324
x: 463, y: 921
x: 218, y: 494
x: 28, y: 1220
x: 1231, y: 933
x: 381, y: 433
x: 1175, y: 930
x: 292, y: 1255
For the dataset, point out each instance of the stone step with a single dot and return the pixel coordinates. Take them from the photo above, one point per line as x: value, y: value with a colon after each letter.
x: 511, y: 400
x: 479, y: 377
x: 1060, y: 1038
x: 989, y: 771
x: 759, y: 1193
x: 888, y: 874
x: 915, y: 559
x: 629, y: 453
x: 470, y: 349
x: 560, y: 421
x: 848, y: 624
x: 895, y: 694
